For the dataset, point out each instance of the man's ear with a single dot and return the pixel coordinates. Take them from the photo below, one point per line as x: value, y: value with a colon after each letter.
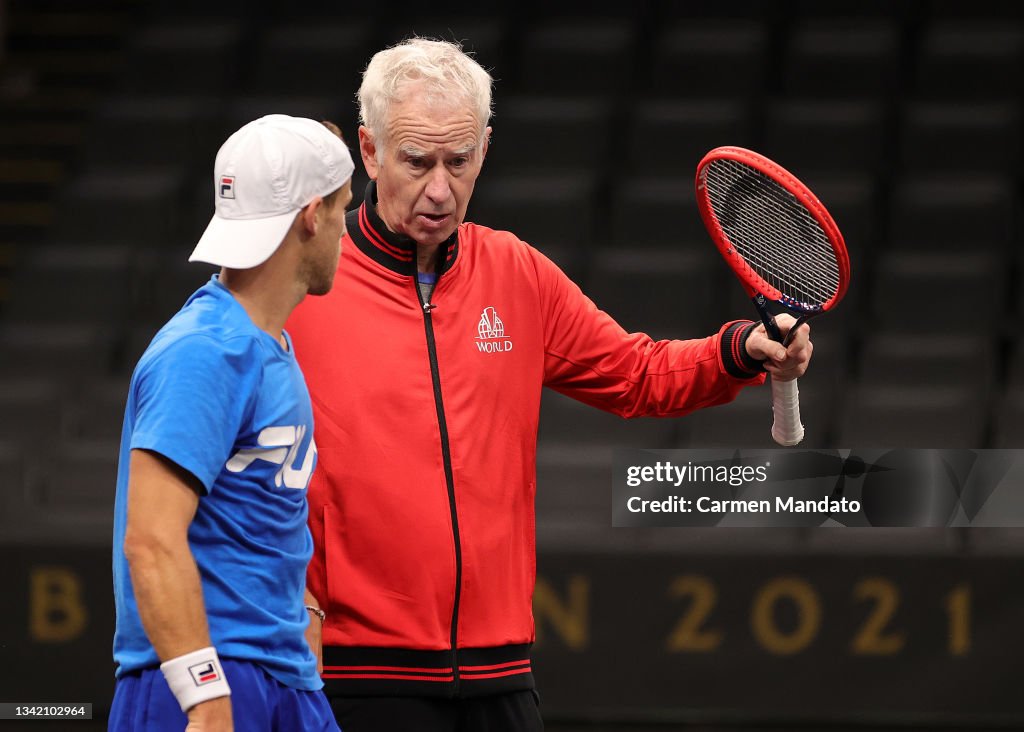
x: 309, y: 216
x: 368, y: 150
x: 487, y: 143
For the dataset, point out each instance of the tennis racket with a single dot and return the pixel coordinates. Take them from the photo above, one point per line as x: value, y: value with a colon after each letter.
x: 781, y: 243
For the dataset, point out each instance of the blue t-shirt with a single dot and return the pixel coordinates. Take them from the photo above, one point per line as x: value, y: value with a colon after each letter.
x: 224, y: 400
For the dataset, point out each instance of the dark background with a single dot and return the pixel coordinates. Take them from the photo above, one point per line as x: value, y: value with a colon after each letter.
x: 904, y: 117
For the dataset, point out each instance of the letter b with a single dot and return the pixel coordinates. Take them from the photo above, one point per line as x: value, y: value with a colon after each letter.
x: 56, y: 612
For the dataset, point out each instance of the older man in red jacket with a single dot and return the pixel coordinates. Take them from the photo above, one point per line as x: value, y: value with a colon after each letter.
x: 426, y: 364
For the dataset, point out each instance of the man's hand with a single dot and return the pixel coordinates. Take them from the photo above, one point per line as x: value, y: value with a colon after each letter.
x: 211, y: 716
x: 313, y: 638
x: 314, y: 631
x: 784, y: 364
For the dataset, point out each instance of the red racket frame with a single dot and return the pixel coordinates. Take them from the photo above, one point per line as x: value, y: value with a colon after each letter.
x: 752, y: 281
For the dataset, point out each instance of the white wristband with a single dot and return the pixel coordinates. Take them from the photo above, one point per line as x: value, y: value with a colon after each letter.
x: 196, y: 677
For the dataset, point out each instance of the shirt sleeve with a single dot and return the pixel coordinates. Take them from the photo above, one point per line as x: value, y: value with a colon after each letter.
x: 192, y: 400
x: 590, y: 357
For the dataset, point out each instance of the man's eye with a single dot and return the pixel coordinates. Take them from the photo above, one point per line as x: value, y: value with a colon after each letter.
x: 460, y: 162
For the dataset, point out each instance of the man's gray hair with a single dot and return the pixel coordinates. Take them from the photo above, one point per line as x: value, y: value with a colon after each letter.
x: 449, y: 75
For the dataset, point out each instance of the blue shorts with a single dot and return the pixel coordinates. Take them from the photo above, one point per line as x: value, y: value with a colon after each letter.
x: 259, y: 703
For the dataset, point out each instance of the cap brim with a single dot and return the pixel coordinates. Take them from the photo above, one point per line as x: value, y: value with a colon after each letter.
x: 242, y: 243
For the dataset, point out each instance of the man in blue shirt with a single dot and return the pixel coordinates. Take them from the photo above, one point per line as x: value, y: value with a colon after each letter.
x: 210, y: 535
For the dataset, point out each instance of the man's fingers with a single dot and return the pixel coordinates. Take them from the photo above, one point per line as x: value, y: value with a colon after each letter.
x: 773, y: 353
x: 802, y: 332
x: 797, y: 352
x: 764, y: 347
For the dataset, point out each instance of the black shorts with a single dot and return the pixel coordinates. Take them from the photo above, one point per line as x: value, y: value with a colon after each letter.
x: 516, y: 711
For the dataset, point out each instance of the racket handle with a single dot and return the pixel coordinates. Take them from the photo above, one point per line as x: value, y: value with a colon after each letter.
x: 787, y: 429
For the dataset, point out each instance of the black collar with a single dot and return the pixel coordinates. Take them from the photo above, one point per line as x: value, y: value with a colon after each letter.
x: 397, y: 252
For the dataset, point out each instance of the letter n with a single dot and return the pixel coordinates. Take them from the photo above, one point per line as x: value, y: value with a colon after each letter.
x: 570, y: 618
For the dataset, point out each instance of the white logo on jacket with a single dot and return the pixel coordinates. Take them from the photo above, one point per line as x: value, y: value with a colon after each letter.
x: 491, y: 336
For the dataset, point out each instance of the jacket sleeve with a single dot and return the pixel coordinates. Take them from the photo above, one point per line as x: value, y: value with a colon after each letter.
x: 591, y: 358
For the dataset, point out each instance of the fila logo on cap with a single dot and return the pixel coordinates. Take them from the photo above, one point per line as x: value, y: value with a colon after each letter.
x: 491, y: 336
x: 284, y: 163
x: 204, y: 673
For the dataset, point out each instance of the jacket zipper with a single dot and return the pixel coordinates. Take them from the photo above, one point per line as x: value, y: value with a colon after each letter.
x: 446, y: 455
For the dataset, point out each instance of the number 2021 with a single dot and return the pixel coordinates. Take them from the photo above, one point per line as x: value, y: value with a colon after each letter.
x: 695, y: 632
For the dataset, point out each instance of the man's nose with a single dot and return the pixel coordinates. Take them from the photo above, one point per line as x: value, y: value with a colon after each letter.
x: 438, y: 187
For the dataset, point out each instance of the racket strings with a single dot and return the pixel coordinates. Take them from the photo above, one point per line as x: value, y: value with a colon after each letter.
x: 773, y: 232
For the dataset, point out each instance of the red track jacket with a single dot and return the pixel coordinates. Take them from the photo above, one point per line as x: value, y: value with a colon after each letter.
x: 422, y: 504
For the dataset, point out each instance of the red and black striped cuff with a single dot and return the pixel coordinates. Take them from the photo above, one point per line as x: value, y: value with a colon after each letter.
x: 466, y: 673
x: 735, y: 358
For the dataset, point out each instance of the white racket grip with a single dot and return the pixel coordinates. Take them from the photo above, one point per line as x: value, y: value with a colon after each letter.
x: 787, y: 429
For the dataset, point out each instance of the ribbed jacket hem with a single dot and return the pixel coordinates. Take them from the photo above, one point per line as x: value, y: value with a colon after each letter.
x: 467, y: 673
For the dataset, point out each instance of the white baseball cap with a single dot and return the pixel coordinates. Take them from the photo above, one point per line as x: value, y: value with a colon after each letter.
x: 265, y: 173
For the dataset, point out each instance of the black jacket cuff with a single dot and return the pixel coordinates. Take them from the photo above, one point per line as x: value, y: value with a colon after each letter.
x: 735, y: 358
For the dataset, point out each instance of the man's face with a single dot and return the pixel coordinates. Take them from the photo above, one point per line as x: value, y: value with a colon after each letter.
x: 430, y: 160
x: 323, y: 261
